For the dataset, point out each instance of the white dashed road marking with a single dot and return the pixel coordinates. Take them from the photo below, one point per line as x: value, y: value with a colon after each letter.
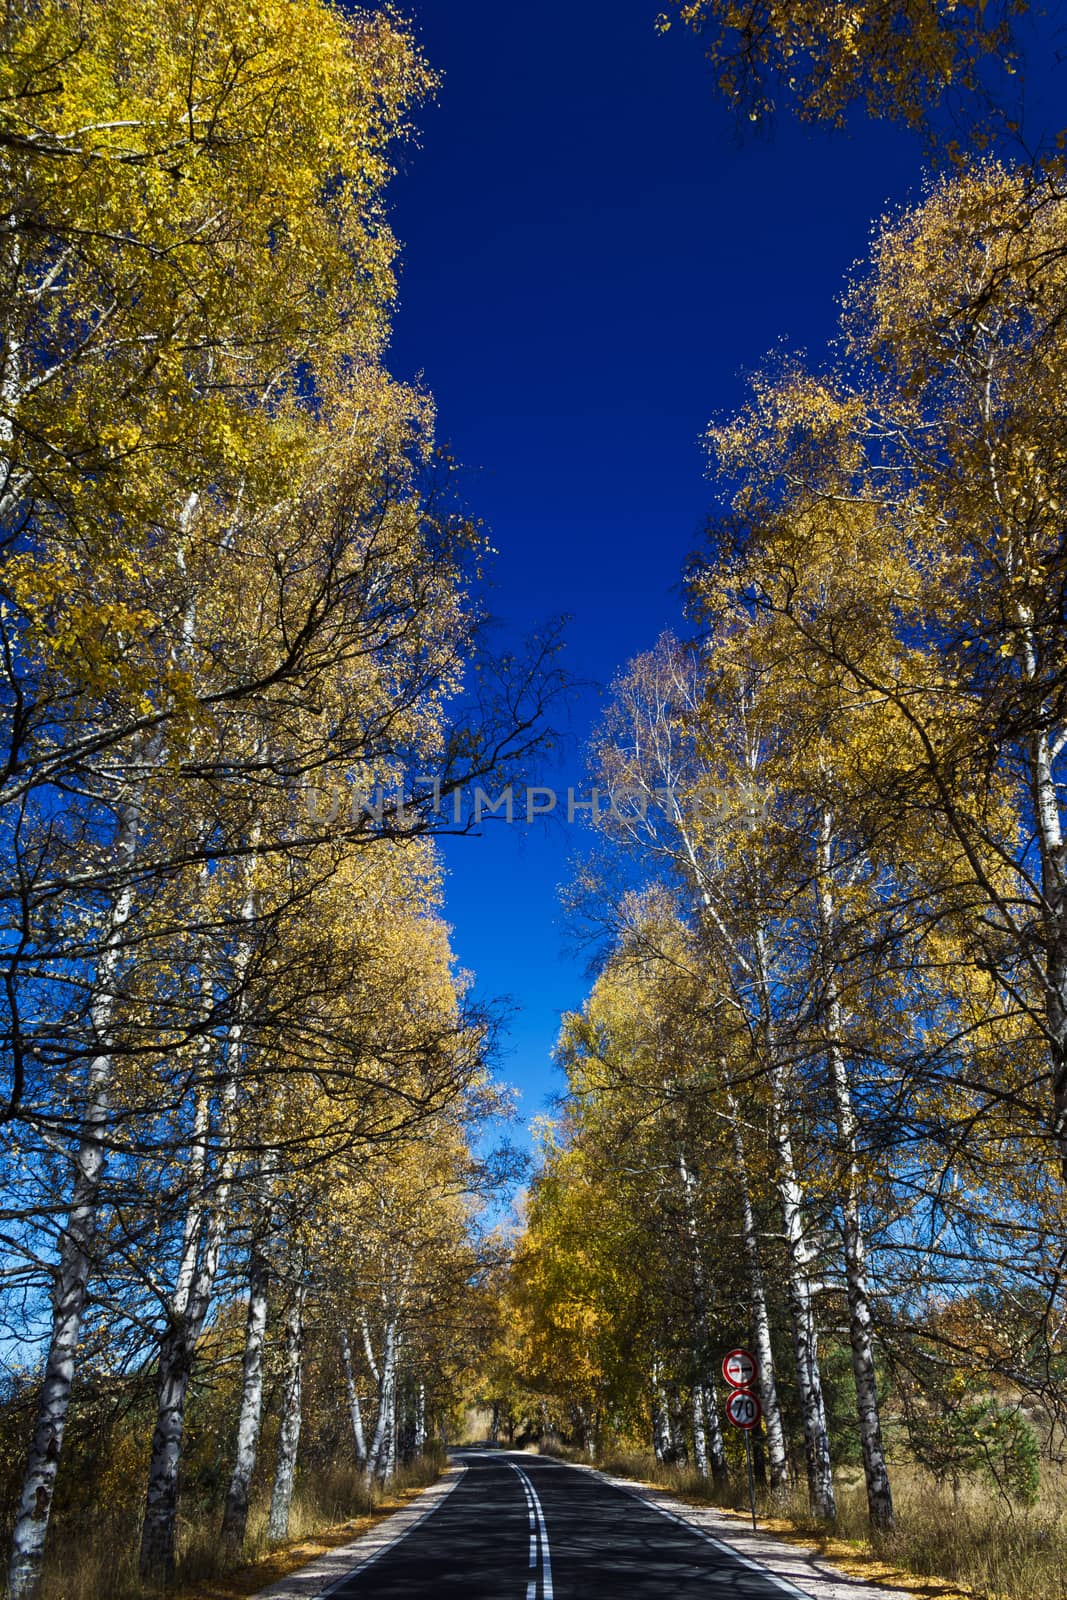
x: 537, y: 1521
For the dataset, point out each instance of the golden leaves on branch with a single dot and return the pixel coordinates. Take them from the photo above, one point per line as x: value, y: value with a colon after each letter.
x: 820, y: 57
x: 197, y: 251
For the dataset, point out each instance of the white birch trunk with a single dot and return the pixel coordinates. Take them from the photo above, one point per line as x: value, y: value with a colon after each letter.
x: 382, y: 1455
x: 235, y: 1514
x: 74, y: 1265
x: 1041, y: 759
x: 391, y: 1436
x: 420, y: 1418
x: 817, y: 1450
x: 662, y: 1442
x: 355, y: 1410
x: 204, y: 1232
x: 805, y: 1335
x: 368, y: 1349
x: 176, y: 1357
x: 198, y: 1152
x: 761, y: 1322
x: 205, y: 1227
x: 700, y: 1438
x: 800, y: 1268
x: 875, y: 1470
x: 756, y: 982
x: 292, y: 1414
x: 711, y: 1446
x: 1054, y: 898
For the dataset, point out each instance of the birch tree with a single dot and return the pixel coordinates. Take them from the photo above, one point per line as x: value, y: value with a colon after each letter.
x: 689, y: 762
x: 936, y: 451
x: 255, y: 412
x: 124, y: 345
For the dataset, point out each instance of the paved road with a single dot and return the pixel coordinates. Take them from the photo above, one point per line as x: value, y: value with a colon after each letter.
x: 519, y: 1527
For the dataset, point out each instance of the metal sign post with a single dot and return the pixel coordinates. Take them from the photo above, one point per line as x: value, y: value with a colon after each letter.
x: 751, y: 1479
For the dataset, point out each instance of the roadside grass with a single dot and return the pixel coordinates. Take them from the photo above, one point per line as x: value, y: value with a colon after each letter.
x: 977, y: 1544
x: 95, y: 1558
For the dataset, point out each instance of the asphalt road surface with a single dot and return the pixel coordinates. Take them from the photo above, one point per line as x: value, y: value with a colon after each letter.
x: 519, y: 1527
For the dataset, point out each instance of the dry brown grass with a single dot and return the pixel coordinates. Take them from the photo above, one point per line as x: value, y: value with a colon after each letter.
x: 99, y: 1560
x: 980, y: 1545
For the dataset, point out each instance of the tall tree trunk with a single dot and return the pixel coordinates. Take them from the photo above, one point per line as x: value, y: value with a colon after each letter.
x: 676, y: 1426
x: 382, y: 1457
x: 761, y: 1322
x: 1056, y: 1009
x: 662, y: 1443
x: 292, y: 1413
x: 700, y: 1438
x: 205, y: 1229
x: 405, y: 1422
x: 74, y: 1264
x: 368, y: 1349
x: 235, y: 1514
x: 805, y: 1337
x: 68, y: 1308
x: 420, y: 1418
x: 177, y: 1354
x: 801, y: 1262
x: 388, y: 1466
x: 875, y: 1470
x: 1054, y: 905
x: 711, y: 1446
x: 355, y: 1410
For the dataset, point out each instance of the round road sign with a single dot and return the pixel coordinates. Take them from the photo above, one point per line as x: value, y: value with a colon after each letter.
x: 739, y: 1368
x: 743, y: 1409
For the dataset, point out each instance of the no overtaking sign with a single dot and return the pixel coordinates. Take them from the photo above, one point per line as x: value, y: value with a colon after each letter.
x: 739, y: 1369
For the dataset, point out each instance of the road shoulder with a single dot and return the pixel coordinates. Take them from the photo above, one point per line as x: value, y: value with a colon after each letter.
x: 799, y: 1569
x: 328, y: 1570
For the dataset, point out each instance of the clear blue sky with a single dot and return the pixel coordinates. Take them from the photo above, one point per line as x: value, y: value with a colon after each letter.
x: 592, y: 261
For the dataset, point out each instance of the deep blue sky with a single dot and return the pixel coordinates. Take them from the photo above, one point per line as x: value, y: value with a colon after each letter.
x: 591, y: 263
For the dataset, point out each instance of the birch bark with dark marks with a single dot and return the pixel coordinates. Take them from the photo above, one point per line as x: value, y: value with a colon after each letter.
x: 860, y: 1321
x: 761, y: 1322
x: 381, y: 1458
x: 708, y: 1446
x: 204, y: 1233
x: 75, y: 1254
x: 355, y: 1410
x: 281, y: 1499
x: 235, y: 1514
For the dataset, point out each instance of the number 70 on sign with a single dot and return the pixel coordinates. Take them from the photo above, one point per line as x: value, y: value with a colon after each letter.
x: 743, y: 1409
x: 741, y: 1370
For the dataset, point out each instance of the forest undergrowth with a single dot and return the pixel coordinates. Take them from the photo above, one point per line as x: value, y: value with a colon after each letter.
x: 976, y: 1539
x: 94, y: 1552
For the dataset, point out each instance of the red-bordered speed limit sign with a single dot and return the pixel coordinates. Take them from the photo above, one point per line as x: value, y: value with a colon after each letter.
x: 740, y: 1369
x: 743, y: 1409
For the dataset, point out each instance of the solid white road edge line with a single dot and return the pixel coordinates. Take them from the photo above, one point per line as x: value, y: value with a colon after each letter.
x: 719, y: 1544
x: 384, y: 1551
x: 546, y: 1559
